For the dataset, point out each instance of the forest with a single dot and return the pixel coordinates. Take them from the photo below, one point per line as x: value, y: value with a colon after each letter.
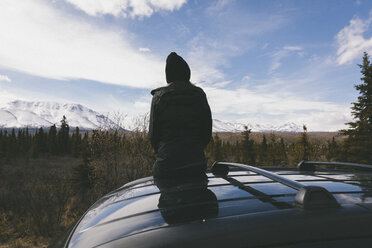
x: 50, y: 177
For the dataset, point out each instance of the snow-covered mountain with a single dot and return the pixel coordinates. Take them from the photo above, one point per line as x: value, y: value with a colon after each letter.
x: 20, y: 114
x: 220, y: 126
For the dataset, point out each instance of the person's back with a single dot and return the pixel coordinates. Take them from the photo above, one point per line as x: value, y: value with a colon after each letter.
x: 180, y: 124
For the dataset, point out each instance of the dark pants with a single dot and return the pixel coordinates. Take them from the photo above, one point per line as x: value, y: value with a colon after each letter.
x: 195, y: 171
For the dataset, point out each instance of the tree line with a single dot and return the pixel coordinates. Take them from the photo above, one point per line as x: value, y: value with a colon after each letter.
x: 271, y: 150
x: 57, y: 142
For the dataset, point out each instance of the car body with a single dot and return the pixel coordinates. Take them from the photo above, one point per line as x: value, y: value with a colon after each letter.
x: 239, y: 206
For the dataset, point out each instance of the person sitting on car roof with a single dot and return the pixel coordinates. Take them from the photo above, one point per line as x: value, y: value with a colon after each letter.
x: 180, y: 124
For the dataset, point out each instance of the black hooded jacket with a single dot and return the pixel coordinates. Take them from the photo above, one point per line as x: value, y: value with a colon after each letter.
x: 180, y: 123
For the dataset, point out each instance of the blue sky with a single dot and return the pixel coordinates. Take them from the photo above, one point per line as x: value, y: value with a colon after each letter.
x: 258, y: 61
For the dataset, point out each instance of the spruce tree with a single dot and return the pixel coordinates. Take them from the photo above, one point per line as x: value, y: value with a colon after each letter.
x: 1, y: 144
x: 5, y: 146
x: 13, y: 148
x: 28, y: 138
x: 237, y: 152
x: 247, y: 148
x: 63, y: 137
x: 52, y: 140
x: 358, y: 144
x: 39, y: 145
x: 263, y: 151
x: 283, y: 153
x: 76, y: 143
x: 302, y: 147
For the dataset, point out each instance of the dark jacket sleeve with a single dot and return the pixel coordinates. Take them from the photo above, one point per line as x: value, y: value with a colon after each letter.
x: 207, y: 123
x: 153, y: 128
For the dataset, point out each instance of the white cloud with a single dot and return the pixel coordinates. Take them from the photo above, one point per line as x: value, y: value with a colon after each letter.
x: 301, y: 54
x: 126, y: 8
x: 204, y: 59
x: 144, y: 49
x: 10, y: 92
x: 218, y: 6
x: 183, y: 31
x: 246, y: 78
x: 131, y: 107
x: 276, y: 108
x: 351, y: 43
x: 282, y: 53
x: 4, y: 78
x: 222, y: 84
x: 324, y: 120
x: 292, y: 48
x: 38, y: 39
x: 207, y: 56
x: 298, y: 97
x: 246, y: 101
x: 233, y: 33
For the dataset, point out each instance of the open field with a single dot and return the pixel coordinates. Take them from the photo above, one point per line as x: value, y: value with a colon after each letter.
x: 33, y: 197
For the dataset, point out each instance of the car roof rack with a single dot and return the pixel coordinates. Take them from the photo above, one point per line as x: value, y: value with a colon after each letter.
x: 307, y: 197
x: 306, y: 165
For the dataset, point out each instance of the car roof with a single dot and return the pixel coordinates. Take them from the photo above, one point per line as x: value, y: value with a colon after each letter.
x: 140, y: 214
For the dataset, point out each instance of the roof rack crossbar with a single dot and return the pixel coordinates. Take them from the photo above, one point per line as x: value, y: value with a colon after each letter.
x: 260, y: 195
x: 307, y: 197
x: 305, y: 165
x: 265, y: 173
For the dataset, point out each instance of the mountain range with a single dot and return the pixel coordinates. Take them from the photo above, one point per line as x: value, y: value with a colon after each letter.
x: 21, y: 114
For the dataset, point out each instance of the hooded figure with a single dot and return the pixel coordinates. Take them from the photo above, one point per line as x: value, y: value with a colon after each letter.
x: 180, y: 124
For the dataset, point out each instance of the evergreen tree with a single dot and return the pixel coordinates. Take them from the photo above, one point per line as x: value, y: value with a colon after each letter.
x: 63, y: 137
x: 52, y: 140
x: 262, y: 155
x: 27, y: 143
x: 83, y: 178
x: 2, y: 141
x: 358, y: 144
x: 76, y: 143
x: 331, y: 149
x: 283, y: 153
x: 237, y: 152
x: 302, y: 147
x: 5, y: 146
x: 39, y: 144
x: 43, y: 148
x: 248, y: 155
x: 13, y: 148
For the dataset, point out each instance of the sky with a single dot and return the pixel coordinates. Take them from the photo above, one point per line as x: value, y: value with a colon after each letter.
x: 262, y: 62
